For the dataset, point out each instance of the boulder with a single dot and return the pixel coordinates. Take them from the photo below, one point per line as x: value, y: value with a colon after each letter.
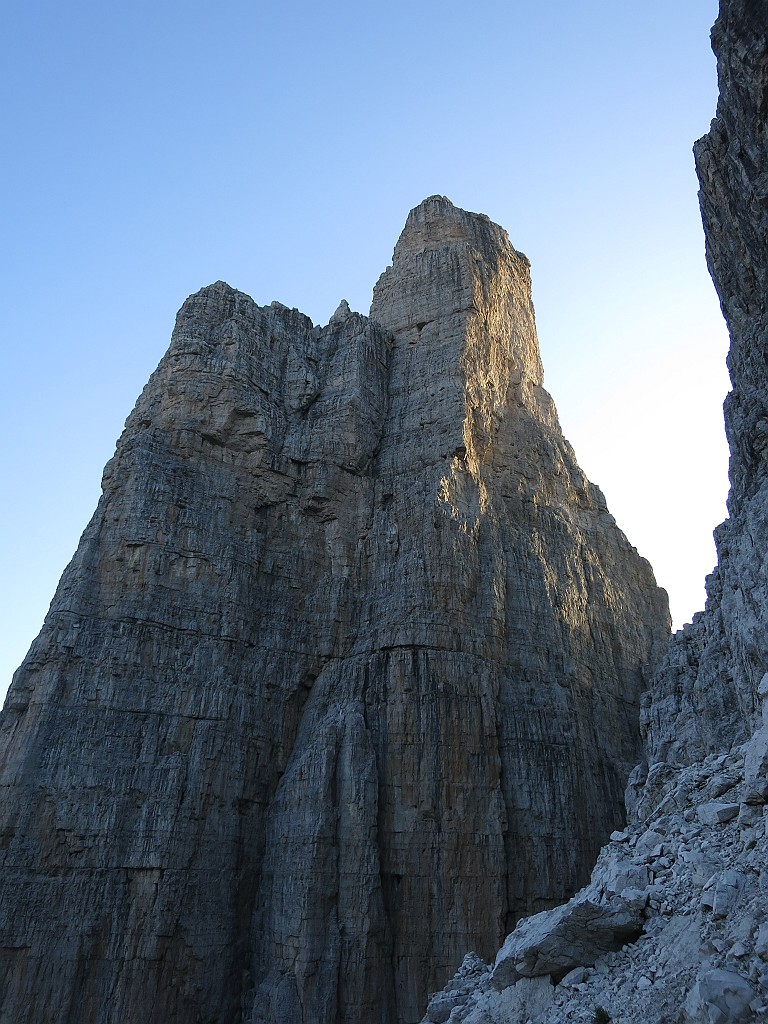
x: 555, y: 942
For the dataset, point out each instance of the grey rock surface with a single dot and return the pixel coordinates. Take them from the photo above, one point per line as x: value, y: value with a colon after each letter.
x: 702, y: 954
x: 705, y: 697
x: 720, y: 997
x: 343, y: 678
x: 711, y: 813
x: 697, y: 801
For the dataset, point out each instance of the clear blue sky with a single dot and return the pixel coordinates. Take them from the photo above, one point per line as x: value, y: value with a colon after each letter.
x: 150, y: 149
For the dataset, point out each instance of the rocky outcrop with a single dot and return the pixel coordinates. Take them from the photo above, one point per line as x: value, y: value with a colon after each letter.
x: 343, y: 678
x: 552, y: 943
x: 706, y: 694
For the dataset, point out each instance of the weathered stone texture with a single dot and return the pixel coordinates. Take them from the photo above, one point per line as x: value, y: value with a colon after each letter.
x: 694, y: 881
x: 695, y: 851
x: 706, y: 695
x: 344, y: 676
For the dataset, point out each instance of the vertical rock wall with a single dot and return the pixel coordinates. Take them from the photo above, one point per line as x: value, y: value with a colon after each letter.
x: 706, y: 695
x: 690, y: 870
x: 343, y: 678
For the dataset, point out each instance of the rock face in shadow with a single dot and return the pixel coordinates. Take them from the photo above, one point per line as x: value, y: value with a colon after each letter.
x: 706, y: 697
x: 343, y: 678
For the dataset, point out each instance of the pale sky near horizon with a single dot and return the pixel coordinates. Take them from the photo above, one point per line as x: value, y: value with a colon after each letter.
x: 151, y: 149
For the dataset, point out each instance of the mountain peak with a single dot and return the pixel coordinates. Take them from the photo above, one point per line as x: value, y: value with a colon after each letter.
x: 436, y: 223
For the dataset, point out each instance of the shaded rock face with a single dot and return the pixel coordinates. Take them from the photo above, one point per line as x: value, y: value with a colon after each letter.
x: 343, y: 678
x: 690, y: 871
x: 706, y: 695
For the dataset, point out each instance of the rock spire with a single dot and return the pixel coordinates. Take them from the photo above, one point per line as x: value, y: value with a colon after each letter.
x: 343, y: 678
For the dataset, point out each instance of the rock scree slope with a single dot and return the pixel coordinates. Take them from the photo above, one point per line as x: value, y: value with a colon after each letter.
x: 344, y: 676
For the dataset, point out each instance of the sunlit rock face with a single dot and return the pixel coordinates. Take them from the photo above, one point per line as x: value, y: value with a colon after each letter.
x: 691, y: 864
x: 343, y: 678
x: 706, y: 697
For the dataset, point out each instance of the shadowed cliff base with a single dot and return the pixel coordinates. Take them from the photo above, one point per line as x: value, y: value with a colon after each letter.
x: 344, y: 676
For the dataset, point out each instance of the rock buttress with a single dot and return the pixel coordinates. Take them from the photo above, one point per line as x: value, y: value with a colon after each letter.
x: 343, y: 678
